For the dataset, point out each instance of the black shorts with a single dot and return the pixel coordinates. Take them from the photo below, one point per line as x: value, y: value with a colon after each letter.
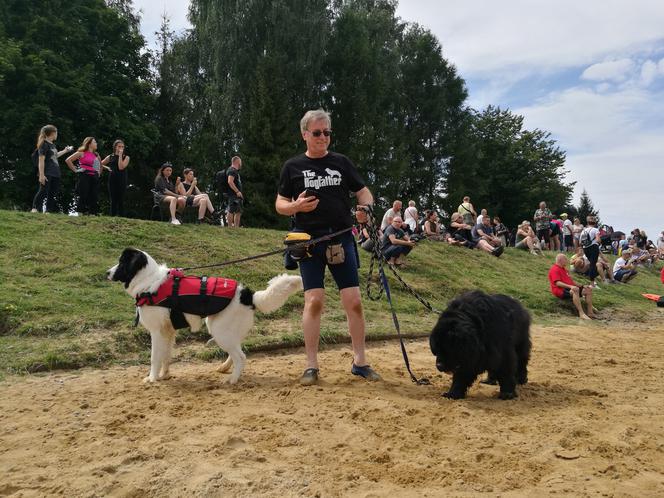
x: 235, y: 204
x: 345, y: 274
x: 567, y: 293
x: 544, y: 233
x: 555, y: 229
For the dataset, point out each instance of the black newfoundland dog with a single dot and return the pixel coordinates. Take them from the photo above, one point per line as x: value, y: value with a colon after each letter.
x: 480, y: 332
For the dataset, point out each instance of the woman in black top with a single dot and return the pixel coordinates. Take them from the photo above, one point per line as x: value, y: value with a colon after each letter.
x: 165, y: 191
x: 117, y: 180
x: 48, y: 169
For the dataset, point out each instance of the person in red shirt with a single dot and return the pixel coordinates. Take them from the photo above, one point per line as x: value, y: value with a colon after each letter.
x: 563, y: 287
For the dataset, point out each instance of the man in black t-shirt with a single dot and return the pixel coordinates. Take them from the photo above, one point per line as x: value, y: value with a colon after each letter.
x: 235, y: 196
x: 316, y: 187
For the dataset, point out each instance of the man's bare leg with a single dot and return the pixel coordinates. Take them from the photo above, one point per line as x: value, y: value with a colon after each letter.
x: 589, y: 302
x: 577, y: 303
x: 351, y: 300
x: 314, y: 301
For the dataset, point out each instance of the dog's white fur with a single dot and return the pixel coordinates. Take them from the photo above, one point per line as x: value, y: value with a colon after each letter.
x: 228, y: 327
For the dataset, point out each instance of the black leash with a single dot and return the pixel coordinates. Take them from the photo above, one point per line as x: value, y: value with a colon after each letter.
x: 271, y: 253
x: 377, y: 255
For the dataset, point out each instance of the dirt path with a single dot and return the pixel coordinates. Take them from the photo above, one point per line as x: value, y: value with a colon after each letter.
x: 590, y: 422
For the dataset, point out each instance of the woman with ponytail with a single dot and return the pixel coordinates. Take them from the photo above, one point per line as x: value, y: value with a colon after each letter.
x: 90, y: 168
x: 117, y: 179
x: 48, y: 169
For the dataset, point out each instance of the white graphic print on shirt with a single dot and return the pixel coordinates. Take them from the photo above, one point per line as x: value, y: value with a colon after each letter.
x: 333, y: 178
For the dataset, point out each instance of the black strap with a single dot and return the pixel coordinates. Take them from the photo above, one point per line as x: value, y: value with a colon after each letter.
x: 176, y: 286
x: 384, y: 287
x: 383, y: 278
x: 270, y: 253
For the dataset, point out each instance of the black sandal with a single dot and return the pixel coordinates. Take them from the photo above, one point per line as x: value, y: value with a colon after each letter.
x: 366, y: 371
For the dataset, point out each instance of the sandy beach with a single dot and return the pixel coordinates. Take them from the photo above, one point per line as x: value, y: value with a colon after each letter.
x: 588, y: 423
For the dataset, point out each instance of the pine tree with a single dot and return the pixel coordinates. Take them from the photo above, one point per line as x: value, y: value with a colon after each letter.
x: 586, y: 208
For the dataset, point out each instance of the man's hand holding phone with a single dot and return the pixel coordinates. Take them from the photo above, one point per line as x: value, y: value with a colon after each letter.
x: 307, y: 201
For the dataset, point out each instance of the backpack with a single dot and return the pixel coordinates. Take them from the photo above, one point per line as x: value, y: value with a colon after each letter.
x: 585, y: 239
x: 221, y: 179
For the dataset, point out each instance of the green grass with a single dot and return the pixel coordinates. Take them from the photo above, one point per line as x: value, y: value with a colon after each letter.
x: 57, y: 310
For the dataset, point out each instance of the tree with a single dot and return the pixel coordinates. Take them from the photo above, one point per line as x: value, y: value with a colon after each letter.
x: 506, y: 168
x: 586, y: 208
x: 80, y: 65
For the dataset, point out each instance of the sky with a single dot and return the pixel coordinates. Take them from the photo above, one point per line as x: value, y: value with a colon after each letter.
x: 590, y: 72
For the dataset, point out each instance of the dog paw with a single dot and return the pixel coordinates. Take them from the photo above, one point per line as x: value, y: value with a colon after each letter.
x: 149, y: 379
x: 453, y: 395
x: 523, y: 380
x: 507, y: 395
x: 165, y: 377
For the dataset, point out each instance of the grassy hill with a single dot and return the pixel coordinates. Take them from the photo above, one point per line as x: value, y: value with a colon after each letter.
x: 57, y: 310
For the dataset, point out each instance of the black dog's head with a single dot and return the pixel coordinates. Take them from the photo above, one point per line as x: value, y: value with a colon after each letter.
x: 131, y: 262
x: 455, y: 342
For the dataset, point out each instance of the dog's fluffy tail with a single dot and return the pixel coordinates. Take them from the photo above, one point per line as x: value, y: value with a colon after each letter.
x: 279, y: 289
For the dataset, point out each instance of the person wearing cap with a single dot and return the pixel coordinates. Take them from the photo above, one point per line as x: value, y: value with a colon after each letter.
x: 623, y: 269
x: 567, y: 233
x: 166, y: 192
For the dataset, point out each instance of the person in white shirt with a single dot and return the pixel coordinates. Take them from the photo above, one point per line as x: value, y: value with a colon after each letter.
x: 660, y: 245
x: 567, y: 232
x: 410, y: 216
x: 623, y: 269
x: 483, y: 213
x: 390, y: 214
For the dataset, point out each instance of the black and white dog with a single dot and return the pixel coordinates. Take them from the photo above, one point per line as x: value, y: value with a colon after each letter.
x: 142, y: 276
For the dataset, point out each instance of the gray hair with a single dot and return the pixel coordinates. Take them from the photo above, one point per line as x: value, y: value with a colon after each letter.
x: 316, y: 115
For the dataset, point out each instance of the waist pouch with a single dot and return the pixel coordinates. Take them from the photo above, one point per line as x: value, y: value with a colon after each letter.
x: 335, y: 254
x: 293, y: 239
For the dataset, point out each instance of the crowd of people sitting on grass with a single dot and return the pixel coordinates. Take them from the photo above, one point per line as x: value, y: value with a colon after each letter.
x: 400, y: 229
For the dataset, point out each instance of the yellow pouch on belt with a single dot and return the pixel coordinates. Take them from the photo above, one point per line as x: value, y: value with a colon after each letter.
x: 293, y: 239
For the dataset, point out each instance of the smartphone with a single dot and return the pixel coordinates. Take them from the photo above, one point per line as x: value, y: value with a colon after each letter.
x: 310, y: 193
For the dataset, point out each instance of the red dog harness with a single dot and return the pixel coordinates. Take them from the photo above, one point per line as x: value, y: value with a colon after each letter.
x: 202, y: 296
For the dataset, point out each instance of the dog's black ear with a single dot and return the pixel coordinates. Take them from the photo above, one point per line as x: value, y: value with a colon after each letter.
x: 131, y: 262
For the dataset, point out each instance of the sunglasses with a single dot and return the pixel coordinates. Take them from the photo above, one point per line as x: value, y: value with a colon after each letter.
x: 318, y: 133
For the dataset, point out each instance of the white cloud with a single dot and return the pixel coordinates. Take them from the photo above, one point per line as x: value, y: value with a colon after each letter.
x: 489, y: 38
x: 615, y: 149
x: 611, y: 70
x: 648, y: 72
x: 584, y: 119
